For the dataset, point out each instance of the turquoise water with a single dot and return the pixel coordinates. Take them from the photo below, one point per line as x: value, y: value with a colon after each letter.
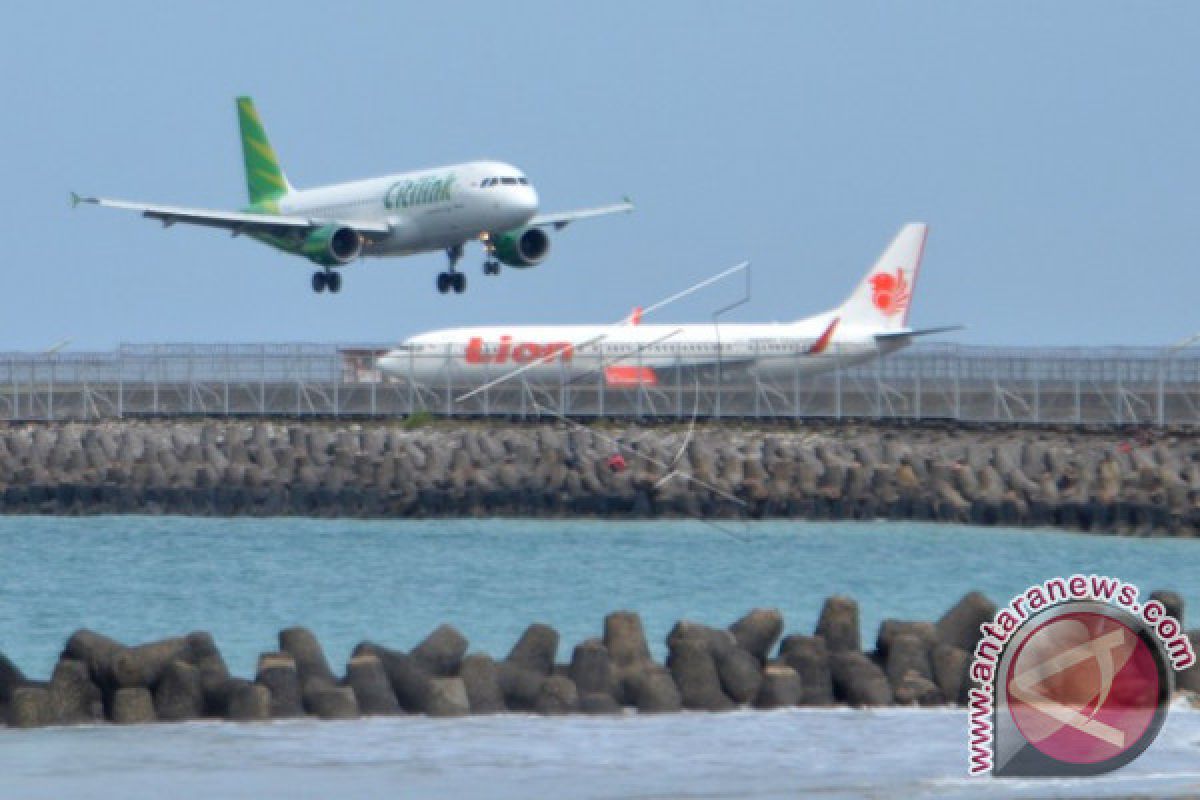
x: 141, y: 578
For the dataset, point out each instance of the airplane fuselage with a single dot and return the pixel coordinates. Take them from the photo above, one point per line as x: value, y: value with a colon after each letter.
x: 427, y: 210
x: 872, y: 322
x: 629, y: 354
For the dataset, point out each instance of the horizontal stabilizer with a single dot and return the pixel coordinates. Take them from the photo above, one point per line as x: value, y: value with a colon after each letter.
x: 921, y: 332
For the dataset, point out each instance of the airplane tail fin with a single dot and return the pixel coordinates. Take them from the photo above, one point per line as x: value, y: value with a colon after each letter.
x: 882, y: 299
x: 265, y: 180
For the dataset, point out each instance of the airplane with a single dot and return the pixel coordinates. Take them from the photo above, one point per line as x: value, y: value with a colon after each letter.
x: 396, y: 215
x: 871, y: 323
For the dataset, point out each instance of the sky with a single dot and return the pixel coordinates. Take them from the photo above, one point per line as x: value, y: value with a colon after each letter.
x: 1052, y: 148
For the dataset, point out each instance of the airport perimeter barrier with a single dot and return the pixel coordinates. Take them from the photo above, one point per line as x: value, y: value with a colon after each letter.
x: 1118, y: 385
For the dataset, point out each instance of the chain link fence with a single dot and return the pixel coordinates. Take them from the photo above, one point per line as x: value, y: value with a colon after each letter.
x: 929, y: 381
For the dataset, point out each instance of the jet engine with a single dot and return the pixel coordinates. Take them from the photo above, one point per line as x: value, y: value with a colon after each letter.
x: 524, y: 247
x: 332, y: 246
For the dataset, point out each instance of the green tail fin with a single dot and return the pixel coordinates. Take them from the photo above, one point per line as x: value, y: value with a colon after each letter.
x: 265, y: 180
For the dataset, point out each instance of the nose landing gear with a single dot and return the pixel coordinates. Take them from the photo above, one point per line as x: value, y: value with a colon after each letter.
x: 491, y: 267
x: 327, y: 280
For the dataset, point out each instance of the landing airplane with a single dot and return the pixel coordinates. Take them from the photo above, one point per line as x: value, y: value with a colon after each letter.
x: 873, y: 322
x: 396, y: 215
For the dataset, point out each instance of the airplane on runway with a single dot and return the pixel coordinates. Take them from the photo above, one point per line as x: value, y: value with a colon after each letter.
x: 395, y: 215
x: 872, y: 322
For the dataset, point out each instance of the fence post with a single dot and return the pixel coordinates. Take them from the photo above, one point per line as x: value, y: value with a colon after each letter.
x: 1079, y: 401
x: 958, y: 365
x: 837, y: 389
x: 1162, y: 406
x: 120, y: 385
x: 917, y: 394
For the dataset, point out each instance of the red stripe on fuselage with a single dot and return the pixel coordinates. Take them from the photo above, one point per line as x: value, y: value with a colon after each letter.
x: 821, y: 343
x: 630, y: 376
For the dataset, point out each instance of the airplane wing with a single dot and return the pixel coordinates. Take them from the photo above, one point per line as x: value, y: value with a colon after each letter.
x: 562, y: 219
x: 235, y: 221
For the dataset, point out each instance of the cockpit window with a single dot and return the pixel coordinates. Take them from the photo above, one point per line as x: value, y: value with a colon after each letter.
x: 523, y: 181
x: 509, y: 181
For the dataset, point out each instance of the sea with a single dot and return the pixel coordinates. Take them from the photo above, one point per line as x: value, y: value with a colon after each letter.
x: 143, y: 578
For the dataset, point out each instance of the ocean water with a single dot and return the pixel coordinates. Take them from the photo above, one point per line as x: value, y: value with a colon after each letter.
x: 141, y: 578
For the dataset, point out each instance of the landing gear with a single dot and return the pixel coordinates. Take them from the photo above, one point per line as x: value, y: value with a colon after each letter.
x: 327, y: 280
x: 452, y: 279
x: 491, y: 267
x: 447, y: 281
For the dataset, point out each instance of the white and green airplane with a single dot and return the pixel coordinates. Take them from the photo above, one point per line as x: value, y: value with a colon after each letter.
x: 395, y: 215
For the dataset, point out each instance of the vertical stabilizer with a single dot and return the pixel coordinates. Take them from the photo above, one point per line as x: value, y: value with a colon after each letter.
x: 881, y: 301
x: 265, y: 181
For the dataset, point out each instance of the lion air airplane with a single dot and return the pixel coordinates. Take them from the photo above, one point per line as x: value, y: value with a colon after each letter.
x: 396, y: 215
x: 871, y: 323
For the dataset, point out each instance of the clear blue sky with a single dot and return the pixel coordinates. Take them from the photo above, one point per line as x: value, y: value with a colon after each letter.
x: 1053, y: 147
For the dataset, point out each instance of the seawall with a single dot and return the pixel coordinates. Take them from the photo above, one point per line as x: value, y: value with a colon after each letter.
x: 1104, y: 480
x: 750, y: 664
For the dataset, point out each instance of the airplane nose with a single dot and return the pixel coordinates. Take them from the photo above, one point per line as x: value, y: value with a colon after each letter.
x: 528, y: 200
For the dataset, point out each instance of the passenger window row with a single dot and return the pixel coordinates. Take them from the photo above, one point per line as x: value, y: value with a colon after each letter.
x: 506, y: 181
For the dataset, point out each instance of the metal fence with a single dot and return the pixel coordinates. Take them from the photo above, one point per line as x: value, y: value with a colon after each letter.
x: 930, y: 381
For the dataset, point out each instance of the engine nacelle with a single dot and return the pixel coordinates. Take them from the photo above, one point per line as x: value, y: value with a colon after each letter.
x: 332, y: 245
x: 524, y: 247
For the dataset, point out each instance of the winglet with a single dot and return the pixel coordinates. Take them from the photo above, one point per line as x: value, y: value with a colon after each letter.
x: 75, y: 199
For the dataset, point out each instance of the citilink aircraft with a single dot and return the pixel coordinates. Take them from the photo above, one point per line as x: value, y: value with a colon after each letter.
x: 395, y: 215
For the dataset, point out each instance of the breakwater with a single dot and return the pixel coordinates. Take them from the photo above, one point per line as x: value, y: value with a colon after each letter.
x: 749, y: 664
x: 1107, y: 480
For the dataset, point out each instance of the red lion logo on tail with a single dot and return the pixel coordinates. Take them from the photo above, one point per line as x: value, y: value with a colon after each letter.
x: 890, y: 292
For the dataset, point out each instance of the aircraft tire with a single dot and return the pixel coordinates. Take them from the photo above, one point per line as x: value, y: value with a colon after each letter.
x: 318, y: 282
x: 459, y: 281
x: 443, y: 282
x: 334, y: 281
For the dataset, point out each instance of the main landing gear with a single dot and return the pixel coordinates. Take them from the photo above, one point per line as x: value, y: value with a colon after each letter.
x: 327, y: 280
x: 452, y: 279
x: 491, y: 267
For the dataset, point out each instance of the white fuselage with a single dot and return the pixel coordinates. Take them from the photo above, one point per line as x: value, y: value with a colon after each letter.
x: 627, y: 353
x: 431, y: 209
x: 871, y: 322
